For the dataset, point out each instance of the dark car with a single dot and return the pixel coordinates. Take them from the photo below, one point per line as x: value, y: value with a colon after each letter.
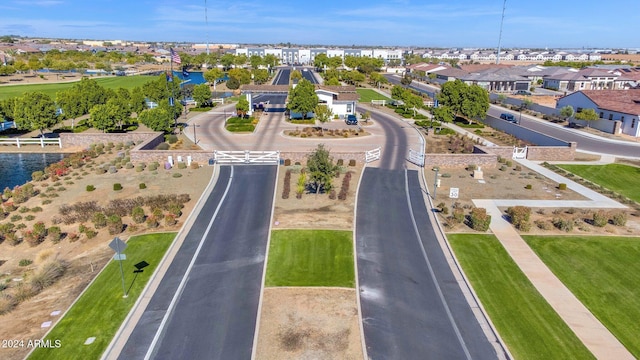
x: 351, y: 120
x: 508, y: 117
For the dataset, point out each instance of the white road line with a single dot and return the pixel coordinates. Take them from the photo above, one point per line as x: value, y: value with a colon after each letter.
x: 186, y: 274
x: 433, y: 276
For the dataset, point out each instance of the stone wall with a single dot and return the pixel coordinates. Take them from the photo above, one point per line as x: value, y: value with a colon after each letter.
x: 552, y: 153
x: 502, y: 151
x: 84, y: 140
x: 460, y: 160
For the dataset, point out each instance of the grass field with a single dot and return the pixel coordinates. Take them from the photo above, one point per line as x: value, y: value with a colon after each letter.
x: 616, y: 177
x: 604, y: 273
x: 526, y: 322
x: 366, y: 95
x: 127, y: 82
x: 238, y: 124
x: 102, y: 309
x: 310, y: 258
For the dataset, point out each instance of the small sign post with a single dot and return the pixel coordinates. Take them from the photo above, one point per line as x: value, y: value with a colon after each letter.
x: 453, y: 193
x: 118, y: 246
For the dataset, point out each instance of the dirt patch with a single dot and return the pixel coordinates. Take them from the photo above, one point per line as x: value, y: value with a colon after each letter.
x: 309, y: 323
x: 315, y: 211
x: 319, y: 132
x: 85, y: 256
x: 544, y: 100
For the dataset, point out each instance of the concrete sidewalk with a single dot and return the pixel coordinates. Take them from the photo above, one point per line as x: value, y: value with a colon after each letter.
x: 595, y: 336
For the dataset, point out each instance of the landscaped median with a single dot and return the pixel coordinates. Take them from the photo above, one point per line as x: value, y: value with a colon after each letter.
x: 528, y: 325
x: 101, y: 309
x: 603, y: 272
x: 311, y: 258
x: 241, y: 124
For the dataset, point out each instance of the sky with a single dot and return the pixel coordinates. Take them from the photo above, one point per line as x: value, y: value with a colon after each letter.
x: 419, y: 23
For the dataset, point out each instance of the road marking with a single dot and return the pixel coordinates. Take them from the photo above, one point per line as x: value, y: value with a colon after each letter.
x: 186, y: 274
x: 433, y: 276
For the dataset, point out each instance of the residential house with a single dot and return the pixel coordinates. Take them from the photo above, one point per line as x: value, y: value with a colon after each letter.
x: 619, y: 110
x: 498, y: 79
x: 341, y: 100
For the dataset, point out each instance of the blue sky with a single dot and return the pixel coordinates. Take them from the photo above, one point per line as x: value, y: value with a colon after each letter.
x: 453, y: 23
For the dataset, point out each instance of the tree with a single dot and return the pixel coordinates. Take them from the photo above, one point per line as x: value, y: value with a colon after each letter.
x: 320, y: 169
x: 303, y: 98
x: 260, y: 76
x: 566, y: 112
x: 71, y: 104
x: 323, y: 113
x: 202, y: 95
x: 233, y: 83
x: 270, y: 61
x: 413, y: 101
x: 406, y: 80
x: 227, y: 60
x: 157, y: 119
x: 90, y: 94
x: 242, y: 107
x: 242, y: 75
x: 295, y: 75
x: 443, y: 113
x: 467, y: 101
x: 213, y: 74
x: 320, y: 61
x: 35, y: 111
x: 587, y: 115
x: 240, y: 60
x: 103, y: 117
x: 137, y: 100
x: 256, y: 61
x: 333, y: 82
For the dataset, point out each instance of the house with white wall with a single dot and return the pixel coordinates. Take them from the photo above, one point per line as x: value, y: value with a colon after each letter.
x: 341, y: 100
x: 618, y: 110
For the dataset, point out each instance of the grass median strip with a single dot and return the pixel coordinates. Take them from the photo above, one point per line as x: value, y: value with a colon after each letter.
x: 603, y: 272
x: 102, y: 309
x: 526, y: 322
x: 616, y: 177
x: 311, y: 258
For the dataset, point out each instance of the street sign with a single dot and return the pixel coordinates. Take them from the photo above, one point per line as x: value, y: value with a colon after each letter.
x: 453, y: 193
x: 119, y: 257
x: 117, y: 245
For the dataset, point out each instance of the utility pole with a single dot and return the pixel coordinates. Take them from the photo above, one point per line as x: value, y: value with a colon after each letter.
x: 504, y: 6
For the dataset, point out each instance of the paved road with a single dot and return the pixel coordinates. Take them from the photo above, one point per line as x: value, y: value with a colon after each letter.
x: 309, y: 75
x: 584, y: 141
x: 412, y: 307
x: 215, y: 314
x: 282, y: 77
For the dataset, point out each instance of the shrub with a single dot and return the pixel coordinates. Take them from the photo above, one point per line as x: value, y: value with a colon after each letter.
x: 176, y: 175
x: 170, y: 220
x: 619, y: 219
x: 36, y: 209
x: 113, y: 169
x: 286, y: 188
x: 129, y: 166
x: 528, y: 187
x: 37, y: 175
x: 182, y: 165
x: 55, y: 234
x: 332, y: 194
x: 562, y: 186
x: 90, y: 188
x: 287, y: 162
x: 114, y: 224
x: 99, y: 220
x: 163, y: 146
x: 457, y: 216
x: 142, y: 186
x: 152, y: 222
x: 47, y: 275
x: 600, y: 218
x: 172, y: 139
x: 340, y: 162
x: 137, y: 214
x: 520, y: 216
x: 480, y: 220
x: 472, y: 167
x: 23, y: 209
x: 563, y: 224
x: 15, y: 218
x: 25, y: 262
x: 117, y: 187
x: 352, y: 162
x: 7, y: 303
x: 195, y: 165
x: 90, y: 233
x: 543, y: 224
x: 508, y: 163
x: 518, y: 168
x: 503, y: 168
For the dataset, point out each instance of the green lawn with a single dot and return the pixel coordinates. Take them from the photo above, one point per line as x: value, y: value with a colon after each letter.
x: 620, y: 178
x: 102, y: 309
x: 526, y: 322
x: 238, y: 124
x: 127, y: 82
x: 311, y: 258
x: 366, y: 95
x: 604, y: 273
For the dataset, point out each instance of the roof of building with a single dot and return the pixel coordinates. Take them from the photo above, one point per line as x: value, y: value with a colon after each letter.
x: 343, y: 93
x: 622, y: 101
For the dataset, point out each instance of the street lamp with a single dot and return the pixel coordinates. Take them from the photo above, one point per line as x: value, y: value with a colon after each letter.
x: 435, y: 182
x: 195, y: 140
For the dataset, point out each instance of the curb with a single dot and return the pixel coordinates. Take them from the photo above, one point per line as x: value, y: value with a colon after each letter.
x: 355, y: 266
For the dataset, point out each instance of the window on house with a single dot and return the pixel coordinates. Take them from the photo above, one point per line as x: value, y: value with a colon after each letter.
x: 601, y: 114
x: 349, y: 108
x: 610, y: 116
x: 633, y: 123
x: 622, y: 119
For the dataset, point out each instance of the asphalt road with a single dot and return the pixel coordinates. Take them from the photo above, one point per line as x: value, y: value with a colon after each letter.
x: 214, y: 315
x: 412, y: 307
x: 395, y: 148
x: 282, y: 77
x: 309, y: 75
x: 585, y: 142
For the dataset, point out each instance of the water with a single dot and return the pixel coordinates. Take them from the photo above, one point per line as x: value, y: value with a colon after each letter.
x: 16, y: 169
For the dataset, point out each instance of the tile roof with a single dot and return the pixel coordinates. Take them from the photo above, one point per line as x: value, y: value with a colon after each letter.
x: 622, y: 101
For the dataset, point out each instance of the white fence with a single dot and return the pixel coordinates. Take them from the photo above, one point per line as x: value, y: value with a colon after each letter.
x: 30, y: 141
x: 372, y: 155
x: 416, y: 157
x: 246, y: 157
x: 378, y: 102
x: 519, y: 153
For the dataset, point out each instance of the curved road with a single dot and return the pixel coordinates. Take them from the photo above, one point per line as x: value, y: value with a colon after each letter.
x: 586, y: 142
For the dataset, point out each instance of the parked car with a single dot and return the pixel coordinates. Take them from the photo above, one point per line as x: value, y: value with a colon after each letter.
x: 508, y: 117
x: 522, y: 92
x: 351, y: 120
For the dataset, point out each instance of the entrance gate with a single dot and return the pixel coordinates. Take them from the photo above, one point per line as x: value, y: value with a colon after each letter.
x: 519, y: 153
x: 246, y: 157
x: 416, y: 157
x: 372, y: 155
